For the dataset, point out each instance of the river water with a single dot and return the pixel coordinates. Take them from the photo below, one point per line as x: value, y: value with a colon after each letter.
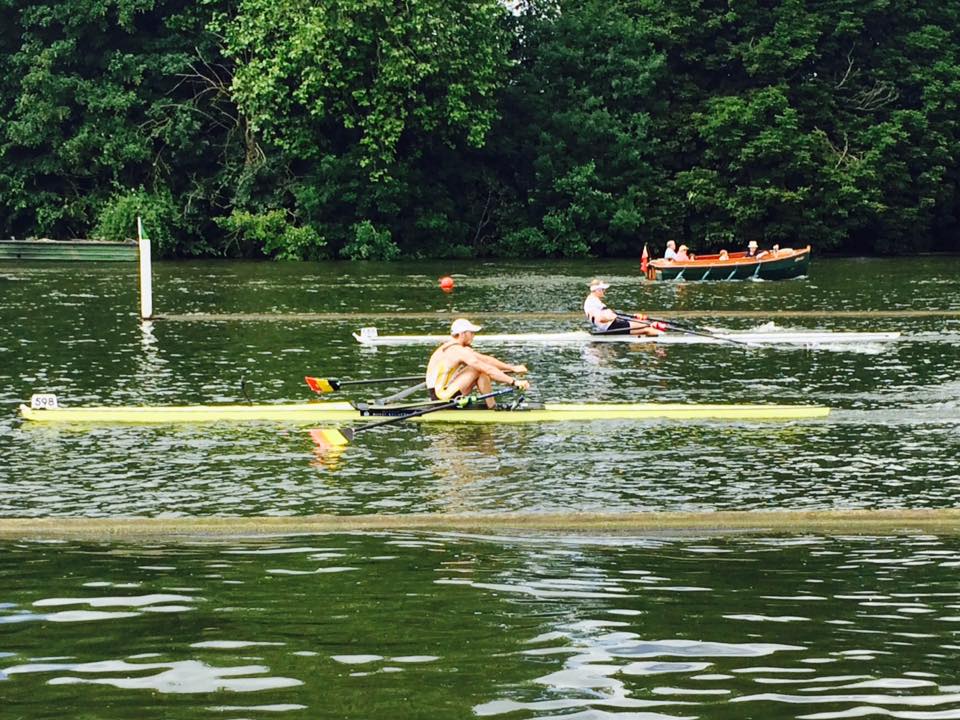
x: 439, y: 625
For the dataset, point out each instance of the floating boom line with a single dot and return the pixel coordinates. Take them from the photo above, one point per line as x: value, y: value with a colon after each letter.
x: 498, y: 316
x: 842, y: 522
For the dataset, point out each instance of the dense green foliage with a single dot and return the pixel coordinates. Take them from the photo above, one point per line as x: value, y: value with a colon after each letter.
x: 375, y: 129
x: 157, y: 211
x: 271, y: 232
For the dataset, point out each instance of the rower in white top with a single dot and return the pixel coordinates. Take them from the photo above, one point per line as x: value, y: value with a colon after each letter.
x: 608, y: 322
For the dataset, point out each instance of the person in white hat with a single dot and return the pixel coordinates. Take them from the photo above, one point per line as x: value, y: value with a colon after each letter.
x: 455, y: 368
x: 752, y: 248
x: 608, y: 322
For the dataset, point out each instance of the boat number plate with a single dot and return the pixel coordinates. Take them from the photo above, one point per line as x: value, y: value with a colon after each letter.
x: 43, y: 401
x: 368, y: 333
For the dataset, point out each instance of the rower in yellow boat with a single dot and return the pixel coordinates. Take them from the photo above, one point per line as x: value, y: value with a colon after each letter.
x: 455, y: 368
x: 609, y: 322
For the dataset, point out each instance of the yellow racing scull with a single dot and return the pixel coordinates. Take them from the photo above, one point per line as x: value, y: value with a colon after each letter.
x: 344, y: 412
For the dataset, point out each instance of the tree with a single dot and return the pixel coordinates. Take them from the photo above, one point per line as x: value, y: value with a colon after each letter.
x: 358, y: 75
x: 86, y: 98
x: 575, y: 147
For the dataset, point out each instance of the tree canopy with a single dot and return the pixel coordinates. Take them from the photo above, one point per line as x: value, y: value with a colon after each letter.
x: 377, y: 129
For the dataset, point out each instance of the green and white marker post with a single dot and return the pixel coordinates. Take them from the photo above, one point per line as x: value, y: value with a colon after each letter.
x: 146, y: 274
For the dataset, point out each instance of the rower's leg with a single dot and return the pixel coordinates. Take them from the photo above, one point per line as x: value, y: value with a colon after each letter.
x: 485, y: 385
x: 466, y: 380
x: 639, y: 328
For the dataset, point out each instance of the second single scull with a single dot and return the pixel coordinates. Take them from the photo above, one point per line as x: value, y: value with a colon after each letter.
x: 370, y: 337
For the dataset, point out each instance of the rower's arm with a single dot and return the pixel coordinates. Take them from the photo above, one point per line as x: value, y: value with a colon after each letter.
x: 494, y: 369
x: 499, y: 364
x: 604, y: 316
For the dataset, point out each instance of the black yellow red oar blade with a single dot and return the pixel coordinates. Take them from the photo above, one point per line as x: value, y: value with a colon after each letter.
x: 331, y: 437
x: 325, y: 385
x: 322, y: 385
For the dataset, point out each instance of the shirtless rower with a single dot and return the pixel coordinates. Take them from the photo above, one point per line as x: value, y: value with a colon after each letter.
x: 455, y: 368
x: 605, y: 320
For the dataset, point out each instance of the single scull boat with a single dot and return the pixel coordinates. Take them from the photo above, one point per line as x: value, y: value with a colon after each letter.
x: 344, y: 412
x: 370, y: 336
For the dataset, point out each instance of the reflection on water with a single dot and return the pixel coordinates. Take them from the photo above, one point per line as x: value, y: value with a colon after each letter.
x: 326, y: 456
x: 401, y: 625
x: 463, y: 460
x: 178, y: 677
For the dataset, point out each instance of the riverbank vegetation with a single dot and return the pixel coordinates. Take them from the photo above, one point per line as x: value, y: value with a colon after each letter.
x: 376, y: 129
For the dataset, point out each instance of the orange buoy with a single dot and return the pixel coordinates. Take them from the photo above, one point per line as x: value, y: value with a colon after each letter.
x: 446, y: 283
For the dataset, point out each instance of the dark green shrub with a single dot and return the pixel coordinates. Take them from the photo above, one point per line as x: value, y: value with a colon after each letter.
x: 117, y: 219
x: 370, y: 244
x: 271, y: 234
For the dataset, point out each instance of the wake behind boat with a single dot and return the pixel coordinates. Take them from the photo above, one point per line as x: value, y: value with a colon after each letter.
x: 345, y: 412
x: 370, y: 337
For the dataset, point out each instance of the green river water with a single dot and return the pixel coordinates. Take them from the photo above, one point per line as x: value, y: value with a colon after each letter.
x: 447, y: 625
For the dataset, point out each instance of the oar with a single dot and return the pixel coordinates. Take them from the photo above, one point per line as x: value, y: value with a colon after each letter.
x: 677, y: 323
x: 686, y: 325
x: 334, y: 436
x: 328, y: 385
x: 688, y: 331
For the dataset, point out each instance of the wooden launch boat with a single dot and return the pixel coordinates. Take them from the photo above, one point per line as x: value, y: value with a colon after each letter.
x: 768, y: 265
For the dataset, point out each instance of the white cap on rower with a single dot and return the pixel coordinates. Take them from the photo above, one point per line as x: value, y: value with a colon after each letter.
x: 597, y: 284
x: 463, y: 325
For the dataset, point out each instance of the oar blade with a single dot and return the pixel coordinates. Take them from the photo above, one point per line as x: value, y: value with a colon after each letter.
x: 321, y: 385
x: 331, y: 437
